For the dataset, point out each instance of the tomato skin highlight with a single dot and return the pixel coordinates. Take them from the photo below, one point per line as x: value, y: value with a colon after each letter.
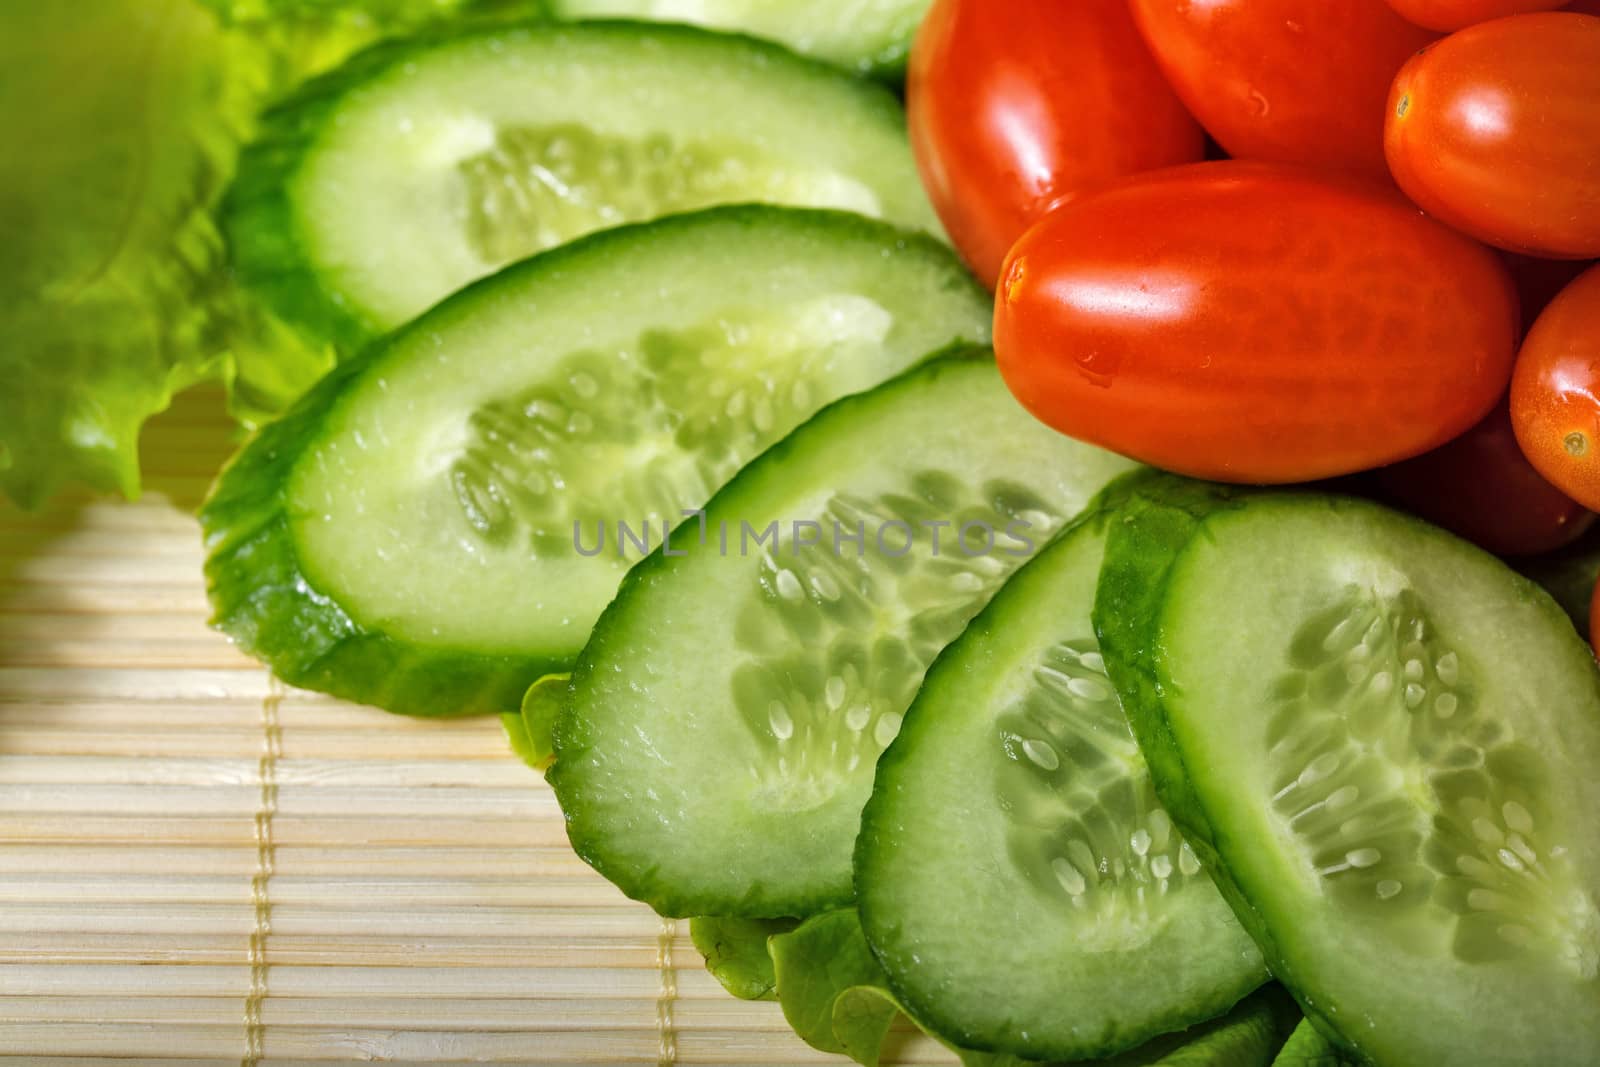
x: 1013, y: 107
x: 1481, y: 487
x: 1555, y: 391
x: 1449, y: 15
x: 1496, y: 131
x: 1251, y: 322
x: 1290, y: 81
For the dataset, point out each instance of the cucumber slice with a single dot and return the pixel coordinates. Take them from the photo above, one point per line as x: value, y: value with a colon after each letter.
x: 866, y: 36
x: 725, y: 717
x: 836, y: 997
x: 406, y: 536
x: 1383, y: 743
x: 1013, y: 830
x: 424, y: 164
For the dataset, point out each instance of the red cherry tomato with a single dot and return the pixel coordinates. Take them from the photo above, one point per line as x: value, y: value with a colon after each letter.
x: 1481, y: 487
x: 1555, y: 392
x: 1252, y: 322
x: 1448, y: 15
x: 1496, y: 130
x: 1294, y: 81
x: 1015, y: 106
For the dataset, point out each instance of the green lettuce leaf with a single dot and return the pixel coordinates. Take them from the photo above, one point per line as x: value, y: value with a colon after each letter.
x: 304, y: 38
x: 1248, y: 1035
x: 830, y: 986
x: 1308, y: 1048
x: 270, y: 365
x: 533, y: 736
x: 736, y: 953
x: 121, y: 120
x: 517, y: 738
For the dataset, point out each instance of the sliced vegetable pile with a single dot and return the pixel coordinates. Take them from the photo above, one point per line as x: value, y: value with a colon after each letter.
x: 627, y: 391
x: 724, y: 720
x: 1015, y: 799
x: 441, y: 520
x: 1385, y: 771
x: 427, y: 163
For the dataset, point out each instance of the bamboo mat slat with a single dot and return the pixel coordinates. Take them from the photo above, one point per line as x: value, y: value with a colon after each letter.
x: 198, y: 865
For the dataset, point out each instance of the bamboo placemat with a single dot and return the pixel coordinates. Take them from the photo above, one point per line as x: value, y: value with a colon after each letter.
x: 198, y: 864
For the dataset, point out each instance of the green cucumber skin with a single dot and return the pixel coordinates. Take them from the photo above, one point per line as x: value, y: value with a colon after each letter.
x: 1144, y: 542
x: 1164, y: 516
x: 878, y: 820
x: 263, y: 599
x: 575, y: 736
x: 1156, y: 523
x: 269, y: 254
x: 886, y: 63
x: 570, y: 733
x: 262, y: 594
x: 258, y: 219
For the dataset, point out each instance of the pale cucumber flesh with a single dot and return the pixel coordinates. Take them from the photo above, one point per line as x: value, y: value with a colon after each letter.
x: 457, y: 467
x: 1386, y: 738
x: 479, y: 482
x: 725, y: 718
x: 423, y: 165
x: 1014, y: 831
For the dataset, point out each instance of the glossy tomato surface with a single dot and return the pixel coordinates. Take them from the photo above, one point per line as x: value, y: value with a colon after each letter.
x: 1294, y: 81
x: 1481, y: 487
x: 1496, y: 130
x: 1254, y: 323
x: 1016, y: 106
x: 1555, y: 392
x: 1447, y: 15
